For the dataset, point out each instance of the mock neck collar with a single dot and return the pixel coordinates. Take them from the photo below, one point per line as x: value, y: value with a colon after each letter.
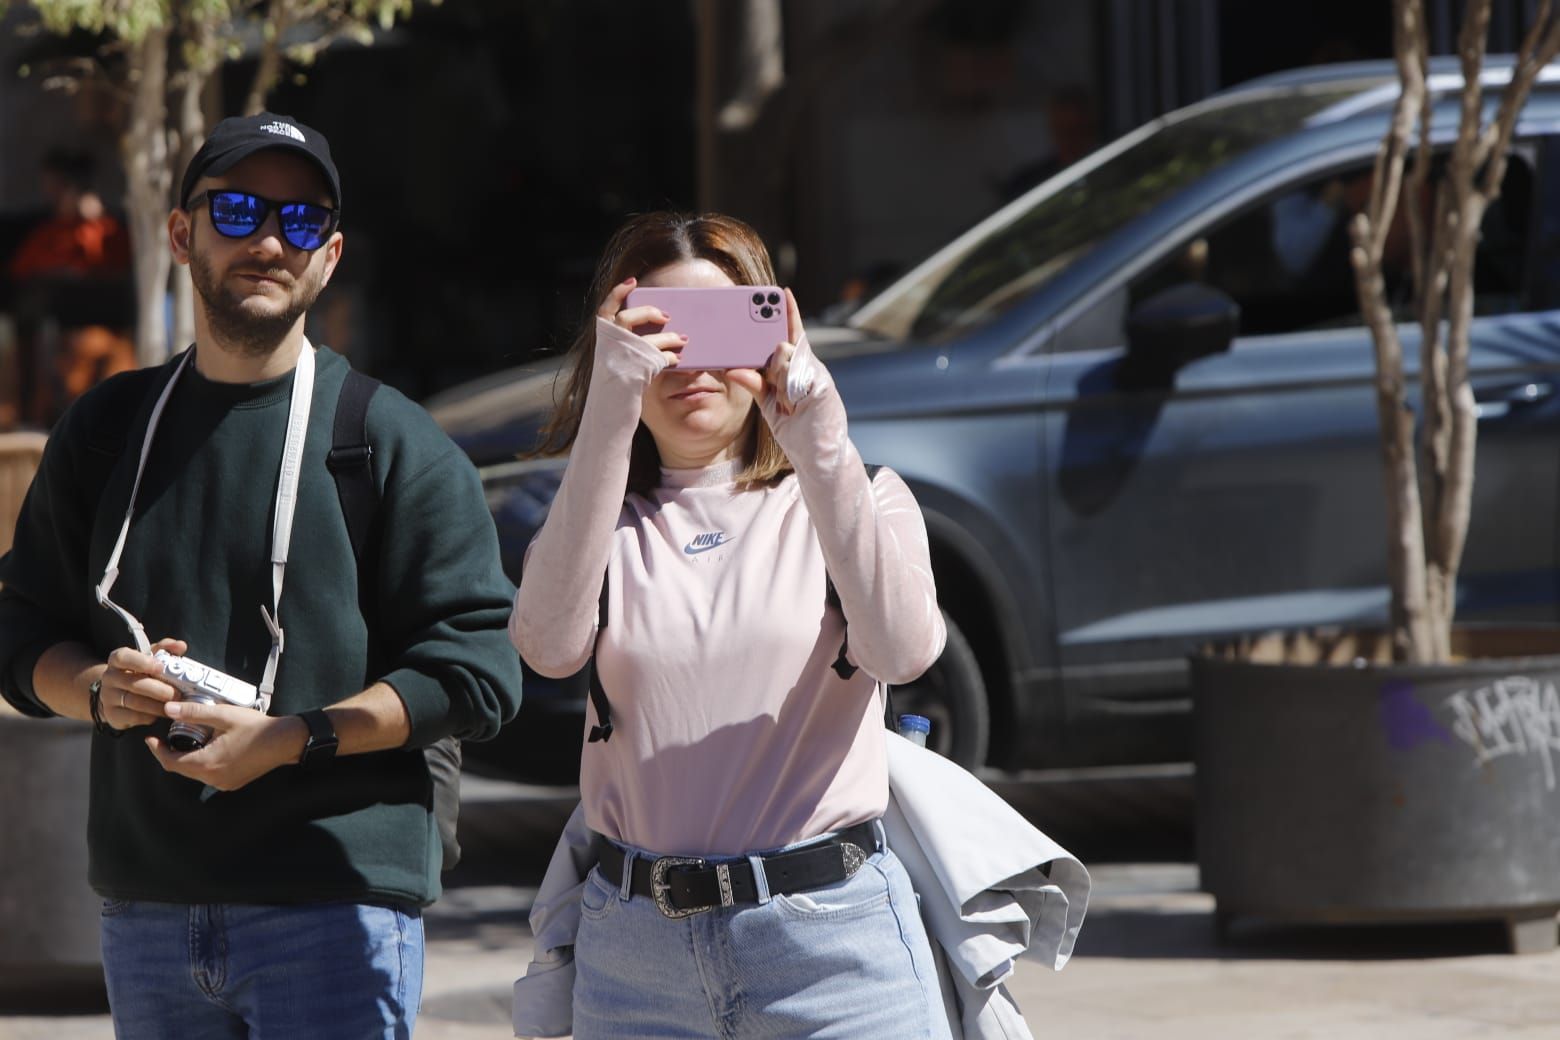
x: 721, y: 474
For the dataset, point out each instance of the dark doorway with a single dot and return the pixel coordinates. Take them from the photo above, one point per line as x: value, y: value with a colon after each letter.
x: 1256, y: 39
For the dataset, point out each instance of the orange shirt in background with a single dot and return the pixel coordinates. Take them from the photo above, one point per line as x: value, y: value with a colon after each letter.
x: 73, y: 247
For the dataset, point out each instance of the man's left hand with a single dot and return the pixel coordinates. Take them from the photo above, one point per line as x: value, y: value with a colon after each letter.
x: 245, y: 745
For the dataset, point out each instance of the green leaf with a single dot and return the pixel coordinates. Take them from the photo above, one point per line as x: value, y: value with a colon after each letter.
x: 129, y: 20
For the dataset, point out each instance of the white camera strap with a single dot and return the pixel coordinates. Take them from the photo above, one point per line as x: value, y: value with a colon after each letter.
x: 282, y: 518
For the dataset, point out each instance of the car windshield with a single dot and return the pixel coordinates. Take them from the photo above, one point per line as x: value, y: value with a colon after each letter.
x: 1026, y: 244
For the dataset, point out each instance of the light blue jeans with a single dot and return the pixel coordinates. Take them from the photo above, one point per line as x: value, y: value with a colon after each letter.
x: 848, y: 960
x: 333, y: 971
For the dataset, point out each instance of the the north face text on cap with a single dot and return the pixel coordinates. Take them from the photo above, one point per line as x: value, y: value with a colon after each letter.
x: 283, y: 130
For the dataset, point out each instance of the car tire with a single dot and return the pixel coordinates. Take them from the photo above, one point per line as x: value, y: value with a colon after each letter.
x: 952, y: 693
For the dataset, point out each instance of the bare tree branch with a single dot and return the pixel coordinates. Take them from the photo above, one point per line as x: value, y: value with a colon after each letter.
x: 1539, y: 47
x: 1405, y: 540
x: 1445, y: 255
x: 1412, y: 639
x: 280, y: 16
x: 71, y: 74
x: 1419, y: 240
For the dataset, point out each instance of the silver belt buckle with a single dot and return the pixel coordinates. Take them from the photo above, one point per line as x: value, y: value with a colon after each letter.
x: 661, y: 892
x: 854, y: 856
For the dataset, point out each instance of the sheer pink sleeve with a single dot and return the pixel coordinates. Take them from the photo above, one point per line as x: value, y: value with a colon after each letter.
x: 554, y: 620
x: 872, y: 534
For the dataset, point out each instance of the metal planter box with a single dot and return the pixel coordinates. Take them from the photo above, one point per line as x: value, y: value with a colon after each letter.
x: 49, y: 917
x: 1349, y: 791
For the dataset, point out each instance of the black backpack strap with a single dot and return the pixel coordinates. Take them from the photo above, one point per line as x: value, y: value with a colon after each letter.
x: 351, y: 463
x: 602, y: 730
x: 351, y: 459
x: 842, y: 666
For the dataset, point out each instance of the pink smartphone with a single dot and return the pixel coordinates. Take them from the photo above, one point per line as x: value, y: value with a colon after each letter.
x: 729, y: 326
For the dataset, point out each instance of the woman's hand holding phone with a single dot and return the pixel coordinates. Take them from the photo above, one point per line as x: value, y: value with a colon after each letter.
x: 634, y: 319
x: 788, y: 376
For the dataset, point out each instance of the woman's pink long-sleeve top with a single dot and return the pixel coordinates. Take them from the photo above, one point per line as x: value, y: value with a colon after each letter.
x: 731, y: 732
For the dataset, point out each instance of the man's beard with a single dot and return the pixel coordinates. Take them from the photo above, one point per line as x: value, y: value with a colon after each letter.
x: 254, y: 335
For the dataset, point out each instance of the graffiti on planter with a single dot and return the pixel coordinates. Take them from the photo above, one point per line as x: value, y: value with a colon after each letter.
x: 1517, y: 715
x: 1408, y: 723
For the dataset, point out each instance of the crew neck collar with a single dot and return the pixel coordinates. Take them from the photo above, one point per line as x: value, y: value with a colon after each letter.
x: 241, y: 395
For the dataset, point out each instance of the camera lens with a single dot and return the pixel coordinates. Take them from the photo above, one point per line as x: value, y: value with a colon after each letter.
x: 183, y: 736
x: 758, y: 298
x: 774, y: 298
x: 767, y: 311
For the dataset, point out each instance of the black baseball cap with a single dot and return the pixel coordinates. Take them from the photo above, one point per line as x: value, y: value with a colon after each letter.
x: 238, y: 137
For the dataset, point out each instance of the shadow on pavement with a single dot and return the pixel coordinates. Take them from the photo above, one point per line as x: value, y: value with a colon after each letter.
x: 1191, y: 934
x: 54, y: 996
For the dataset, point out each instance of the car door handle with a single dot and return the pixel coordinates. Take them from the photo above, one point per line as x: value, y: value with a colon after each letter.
x: 1498, y: 402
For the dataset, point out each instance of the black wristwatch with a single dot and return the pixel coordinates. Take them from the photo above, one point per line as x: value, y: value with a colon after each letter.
x: 321, y: 747
x: 95, y: 706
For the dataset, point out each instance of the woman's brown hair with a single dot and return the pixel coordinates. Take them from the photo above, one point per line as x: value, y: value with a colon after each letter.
x: 647, y: 243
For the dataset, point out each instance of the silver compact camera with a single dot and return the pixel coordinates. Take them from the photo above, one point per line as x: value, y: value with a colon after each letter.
x: 201, y: 684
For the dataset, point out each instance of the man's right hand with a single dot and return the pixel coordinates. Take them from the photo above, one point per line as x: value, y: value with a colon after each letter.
x: 132, y: 693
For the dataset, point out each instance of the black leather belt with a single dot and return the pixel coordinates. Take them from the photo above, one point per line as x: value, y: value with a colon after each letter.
x: 682, y: 886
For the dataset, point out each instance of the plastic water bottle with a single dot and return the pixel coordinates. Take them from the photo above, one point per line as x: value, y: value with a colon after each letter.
x: 914, y: 728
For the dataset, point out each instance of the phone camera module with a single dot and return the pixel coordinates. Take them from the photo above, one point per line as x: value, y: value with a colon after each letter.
x: 774, y: 299
x: 758, y: 298
x: 767, y: 311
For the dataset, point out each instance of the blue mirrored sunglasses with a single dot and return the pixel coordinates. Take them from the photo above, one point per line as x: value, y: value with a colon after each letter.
x: 239, y: 214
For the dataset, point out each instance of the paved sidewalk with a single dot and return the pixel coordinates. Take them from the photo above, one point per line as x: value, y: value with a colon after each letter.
x: 1147, y: 966
x: 1147, y: 963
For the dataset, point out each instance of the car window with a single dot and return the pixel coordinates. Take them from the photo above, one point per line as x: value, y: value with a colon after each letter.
x: 1286, y: 260
x: 1030, y: 242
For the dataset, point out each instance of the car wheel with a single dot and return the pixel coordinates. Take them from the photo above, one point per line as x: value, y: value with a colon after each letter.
x: 952, y: 694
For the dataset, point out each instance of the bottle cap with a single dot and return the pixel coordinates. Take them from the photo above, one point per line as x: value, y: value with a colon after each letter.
x: 919, y: 723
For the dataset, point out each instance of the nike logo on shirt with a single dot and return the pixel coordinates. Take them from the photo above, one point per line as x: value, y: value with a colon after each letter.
x: 705, y: 542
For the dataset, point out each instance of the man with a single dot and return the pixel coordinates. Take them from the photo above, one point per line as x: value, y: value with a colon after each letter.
x: 269, y: 883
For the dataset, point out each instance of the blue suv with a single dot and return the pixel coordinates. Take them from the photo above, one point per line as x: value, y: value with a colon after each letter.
x: 1137, y: 407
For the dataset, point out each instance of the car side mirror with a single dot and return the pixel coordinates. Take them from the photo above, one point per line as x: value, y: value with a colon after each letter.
x: 1176, y: 327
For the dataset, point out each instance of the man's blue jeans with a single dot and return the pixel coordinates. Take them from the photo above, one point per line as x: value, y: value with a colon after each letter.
x: 341, y: 971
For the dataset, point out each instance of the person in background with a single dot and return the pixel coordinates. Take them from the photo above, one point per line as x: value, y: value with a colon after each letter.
x: 1072, y: 126
x: 737, y: 765
x: 858, y: 289
x: 80, y: 237
x: 71, y: 286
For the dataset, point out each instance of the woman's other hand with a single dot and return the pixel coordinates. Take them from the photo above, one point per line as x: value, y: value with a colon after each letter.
x: 790, y: 373
x: 644, y: 322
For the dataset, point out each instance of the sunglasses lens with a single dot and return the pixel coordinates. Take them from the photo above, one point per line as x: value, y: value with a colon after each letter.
x: 236, y: 214
x: 306, y: 226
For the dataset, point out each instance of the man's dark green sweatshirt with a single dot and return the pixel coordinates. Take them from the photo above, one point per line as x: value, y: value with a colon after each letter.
x: 197, y: 567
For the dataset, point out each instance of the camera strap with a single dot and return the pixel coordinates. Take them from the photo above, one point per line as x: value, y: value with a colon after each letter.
x: 281, y: 523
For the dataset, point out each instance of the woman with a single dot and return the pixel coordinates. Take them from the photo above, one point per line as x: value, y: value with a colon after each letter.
x: 732, y: 736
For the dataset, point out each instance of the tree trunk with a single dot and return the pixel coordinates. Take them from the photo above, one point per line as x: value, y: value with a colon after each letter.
x: 1412, y: 640
x: 192, y: 134
x: 148, y: 178
x: 708, y: 89
x: 1427, y: 535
